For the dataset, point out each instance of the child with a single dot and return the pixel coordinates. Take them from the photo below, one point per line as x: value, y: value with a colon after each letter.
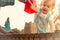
x: 43, y: 19
x: 7, y: 25
x: 30, y: 6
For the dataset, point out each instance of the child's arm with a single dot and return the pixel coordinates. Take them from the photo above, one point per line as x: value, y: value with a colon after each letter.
x: 30, y: 2
x: 52, y: 25
x: 36, y: 14
x: 58, y: 17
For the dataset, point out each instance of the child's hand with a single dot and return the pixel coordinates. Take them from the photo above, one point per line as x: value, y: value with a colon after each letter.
x: 34, y: 7
x: 58, y: 17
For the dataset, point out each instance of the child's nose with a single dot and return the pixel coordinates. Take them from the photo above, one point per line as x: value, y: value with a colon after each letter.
x: 45, y: 8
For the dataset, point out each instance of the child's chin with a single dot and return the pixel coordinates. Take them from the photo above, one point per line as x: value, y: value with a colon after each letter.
x: 44, y: 12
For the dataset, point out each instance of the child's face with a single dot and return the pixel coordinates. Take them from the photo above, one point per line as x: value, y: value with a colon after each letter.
x: 8, y: 18
x: 46, y: 7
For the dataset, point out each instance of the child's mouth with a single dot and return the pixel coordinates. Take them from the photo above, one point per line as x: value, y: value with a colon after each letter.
x: 44, y: 11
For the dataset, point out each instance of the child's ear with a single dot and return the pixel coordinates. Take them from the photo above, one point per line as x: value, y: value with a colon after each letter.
x: 53, y: 5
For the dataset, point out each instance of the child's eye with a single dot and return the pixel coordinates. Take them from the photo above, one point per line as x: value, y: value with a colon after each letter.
x: 48, y: 6
x: 44, y: 5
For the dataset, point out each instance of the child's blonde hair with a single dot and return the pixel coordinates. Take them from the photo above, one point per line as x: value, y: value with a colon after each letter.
x: 52, y: 2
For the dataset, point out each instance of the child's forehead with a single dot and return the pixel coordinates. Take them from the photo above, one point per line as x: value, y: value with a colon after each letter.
x: 48, y: 2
